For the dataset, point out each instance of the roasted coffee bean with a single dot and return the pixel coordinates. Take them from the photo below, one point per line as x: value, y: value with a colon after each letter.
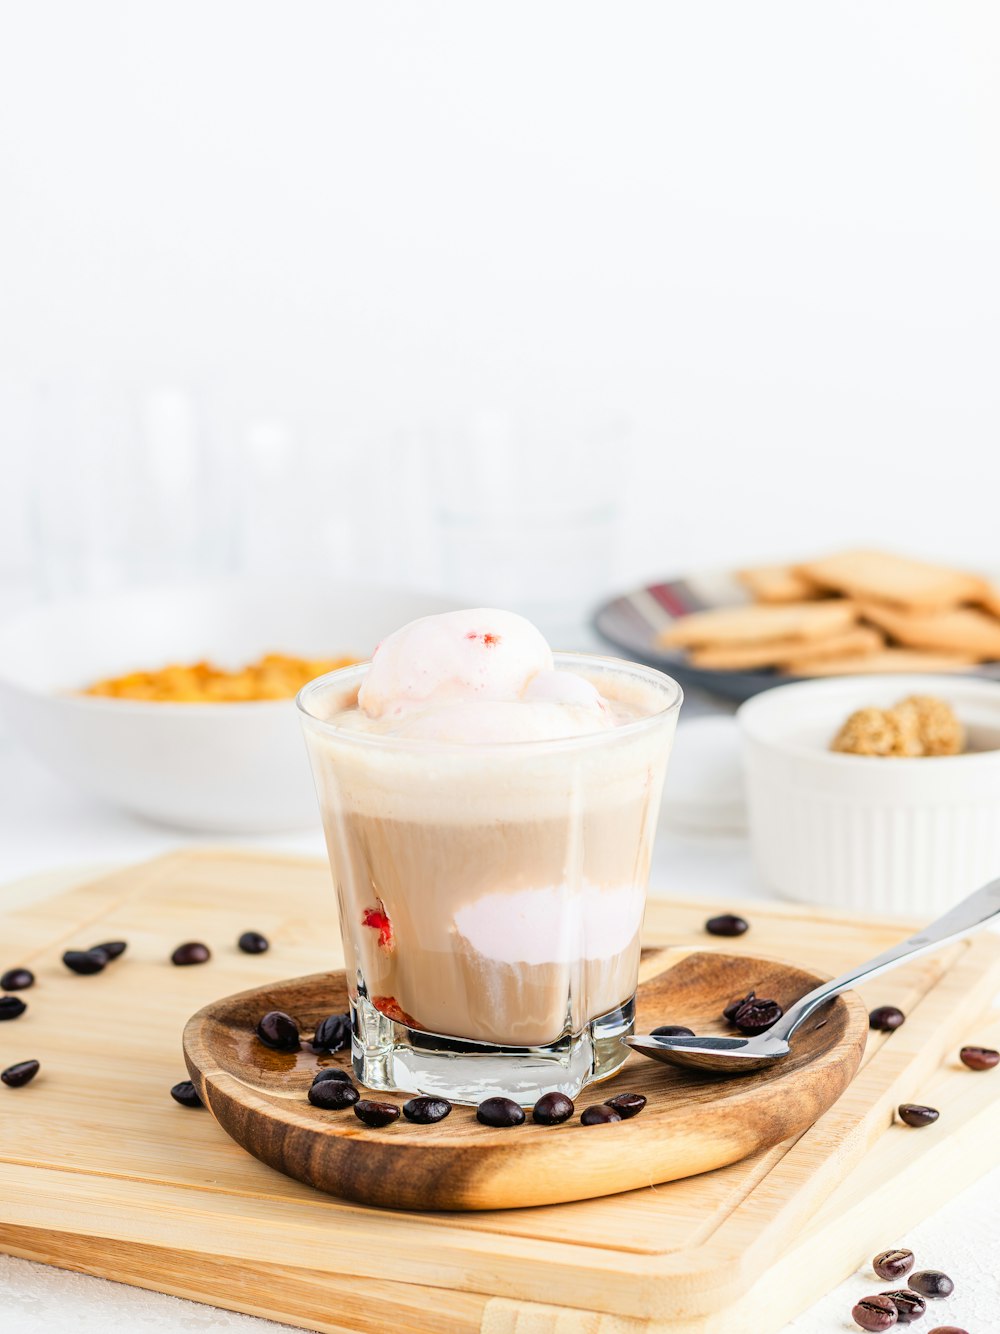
x: 976, y: 1058
x: 11, y: 1007
x: 886, y: 1018
x: 186, y: 1094
x: 85, y: 962
x: 727, y: 924
x: 16, y: 1076
x: 552, y: 1109
x: 499, y: 1112
x: 757, y: 1016
x: 252, y: 942
x: 599, y: 1116
x: 333, y: 1072
x: 909, y: 1305
x: 17, y: 979
x: 672, y: 1031
x: 730, y: 1011
x: 376, y: 1114
x: 425, y: 1111
x: 930, y: 1283
x: 914, y: 1115
x: 193, y: 951
x: 333, y: 1095
x: 893, y: 1264
x: 114, y: 949
x: 947, y: 1329
x: 279, y: 1031
x: 627, y: 1104
x: 333, y: 1033
x: 875, y: 1313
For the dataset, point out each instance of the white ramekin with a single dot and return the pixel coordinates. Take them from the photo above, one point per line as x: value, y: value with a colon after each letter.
x: 898, y: 835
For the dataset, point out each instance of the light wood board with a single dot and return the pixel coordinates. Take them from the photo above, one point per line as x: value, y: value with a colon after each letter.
x: 104, y: 1173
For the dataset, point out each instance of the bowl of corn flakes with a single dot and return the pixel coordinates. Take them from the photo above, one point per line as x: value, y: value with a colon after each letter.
x: 878, y: 793
x: 178, y: 704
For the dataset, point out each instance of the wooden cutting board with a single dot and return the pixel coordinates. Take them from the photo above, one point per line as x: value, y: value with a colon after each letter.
x: 101, y: 1171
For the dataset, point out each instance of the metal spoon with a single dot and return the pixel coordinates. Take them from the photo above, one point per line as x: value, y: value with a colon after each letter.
x: 741, y: 1056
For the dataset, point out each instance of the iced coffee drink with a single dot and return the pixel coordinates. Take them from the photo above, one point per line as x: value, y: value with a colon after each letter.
x: 489, y: 811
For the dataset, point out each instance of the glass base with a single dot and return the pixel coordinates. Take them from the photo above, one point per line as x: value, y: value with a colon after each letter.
x: 393, y: 1058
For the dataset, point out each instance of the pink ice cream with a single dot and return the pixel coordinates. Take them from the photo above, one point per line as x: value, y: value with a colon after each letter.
x: 479, y: 676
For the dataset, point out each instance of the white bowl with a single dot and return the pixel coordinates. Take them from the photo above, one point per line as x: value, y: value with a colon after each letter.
x: 233, y: 768
x: 900, y: 835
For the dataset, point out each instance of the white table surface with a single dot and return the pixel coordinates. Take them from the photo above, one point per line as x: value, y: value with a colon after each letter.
x: 44, y: 825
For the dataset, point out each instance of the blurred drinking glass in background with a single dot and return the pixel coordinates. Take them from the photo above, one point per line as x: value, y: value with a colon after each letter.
x: 527, y: 510
x: 126, y: 489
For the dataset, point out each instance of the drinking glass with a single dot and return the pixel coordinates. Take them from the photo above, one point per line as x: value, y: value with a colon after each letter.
x: 491, y: 895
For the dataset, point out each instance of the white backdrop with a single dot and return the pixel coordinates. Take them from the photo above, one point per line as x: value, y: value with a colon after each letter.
x: 765, y: 233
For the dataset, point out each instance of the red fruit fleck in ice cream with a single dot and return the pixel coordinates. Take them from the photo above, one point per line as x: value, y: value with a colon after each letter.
x: 488, y: 639
x: 378, y: 920
x: 391, y: 1008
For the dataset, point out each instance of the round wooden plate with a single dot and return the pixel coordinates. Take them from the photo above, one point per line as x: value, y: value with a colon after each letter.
x: 692, y: 1123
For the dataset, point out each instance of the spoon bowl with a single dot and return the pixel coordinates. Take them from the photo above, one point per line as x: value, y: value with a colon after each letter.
x: 741, y: 1056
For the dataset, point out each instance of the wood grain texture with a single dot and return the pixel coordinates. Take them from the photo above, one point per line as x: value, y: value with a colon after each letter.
x: 101, y: 1171
x: 691, y: 1123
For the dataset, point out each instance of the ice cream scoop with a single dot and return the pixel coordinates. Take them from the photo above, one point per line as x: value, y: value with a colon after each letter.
x: 481, y: 654
x: 480, y: 676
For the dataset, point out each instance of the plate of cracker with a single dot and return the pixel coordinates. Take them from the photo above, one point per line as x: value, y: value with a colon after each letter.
x: 737, y: 632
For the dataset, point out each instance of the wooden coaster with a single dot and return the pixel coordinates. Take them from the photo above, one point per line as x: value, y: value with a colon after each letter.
x: 691, y: 1123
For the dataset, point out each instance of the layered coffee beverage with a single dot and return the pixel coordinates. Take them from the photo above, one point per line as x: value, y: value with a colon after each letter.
x: 489, y: 812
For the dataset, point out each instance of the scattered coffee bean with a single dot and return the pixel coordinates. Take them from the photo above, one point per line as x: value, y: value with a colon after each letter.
x: 279, y: 1031
x: 186, y: 1094
x: 931, y: 1283
x: 727, y: 924
x: 342, y: 1076
x: 947, y: 1329
x: 626, y: 1104
x: 909, y: 1306
x: 730, y: 1011
x: 886, y: 1018
x: 672, y: 1031
x: 252, y: 942
x: 893, y: 1264
x: 85, y: 962
x: 16, y: 1076
x: 875, y: 1313
x: 552, y: 1109
x: 499, y: 1112
x: 17, y: 979
x: 599, y: 1116
x: 976, y: 1058
x: 11, y: 1007
x: 914, y: 1115
x: 333, y: 1095
x: 376, y: 1114
x: 757, y: 1016
x: 114, y: 949
x: 333, y: 1033
x: 425, y: 1111
x: 193, y: 951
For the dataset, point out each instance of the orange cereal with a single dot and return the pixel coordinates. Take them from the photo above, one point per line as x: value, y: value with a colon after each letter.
x: 274, y: 676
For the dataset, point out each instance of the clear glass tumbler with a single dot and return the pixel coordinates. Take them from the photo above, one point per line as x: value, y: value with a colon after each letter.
x: 491, y: 896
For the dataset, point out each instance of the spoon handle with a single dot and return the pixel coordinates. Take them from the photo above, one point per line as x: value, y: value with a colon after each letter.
x: 973, y: 911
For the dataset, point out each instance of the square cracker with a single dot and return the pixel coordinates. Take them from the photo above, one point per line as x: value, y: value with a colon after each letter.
x: 885, y: 660
x: 758, y: 624
x: 897, y: 579
x: 777, y: 583
x: 961, y: 630
x: 748, y: 657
